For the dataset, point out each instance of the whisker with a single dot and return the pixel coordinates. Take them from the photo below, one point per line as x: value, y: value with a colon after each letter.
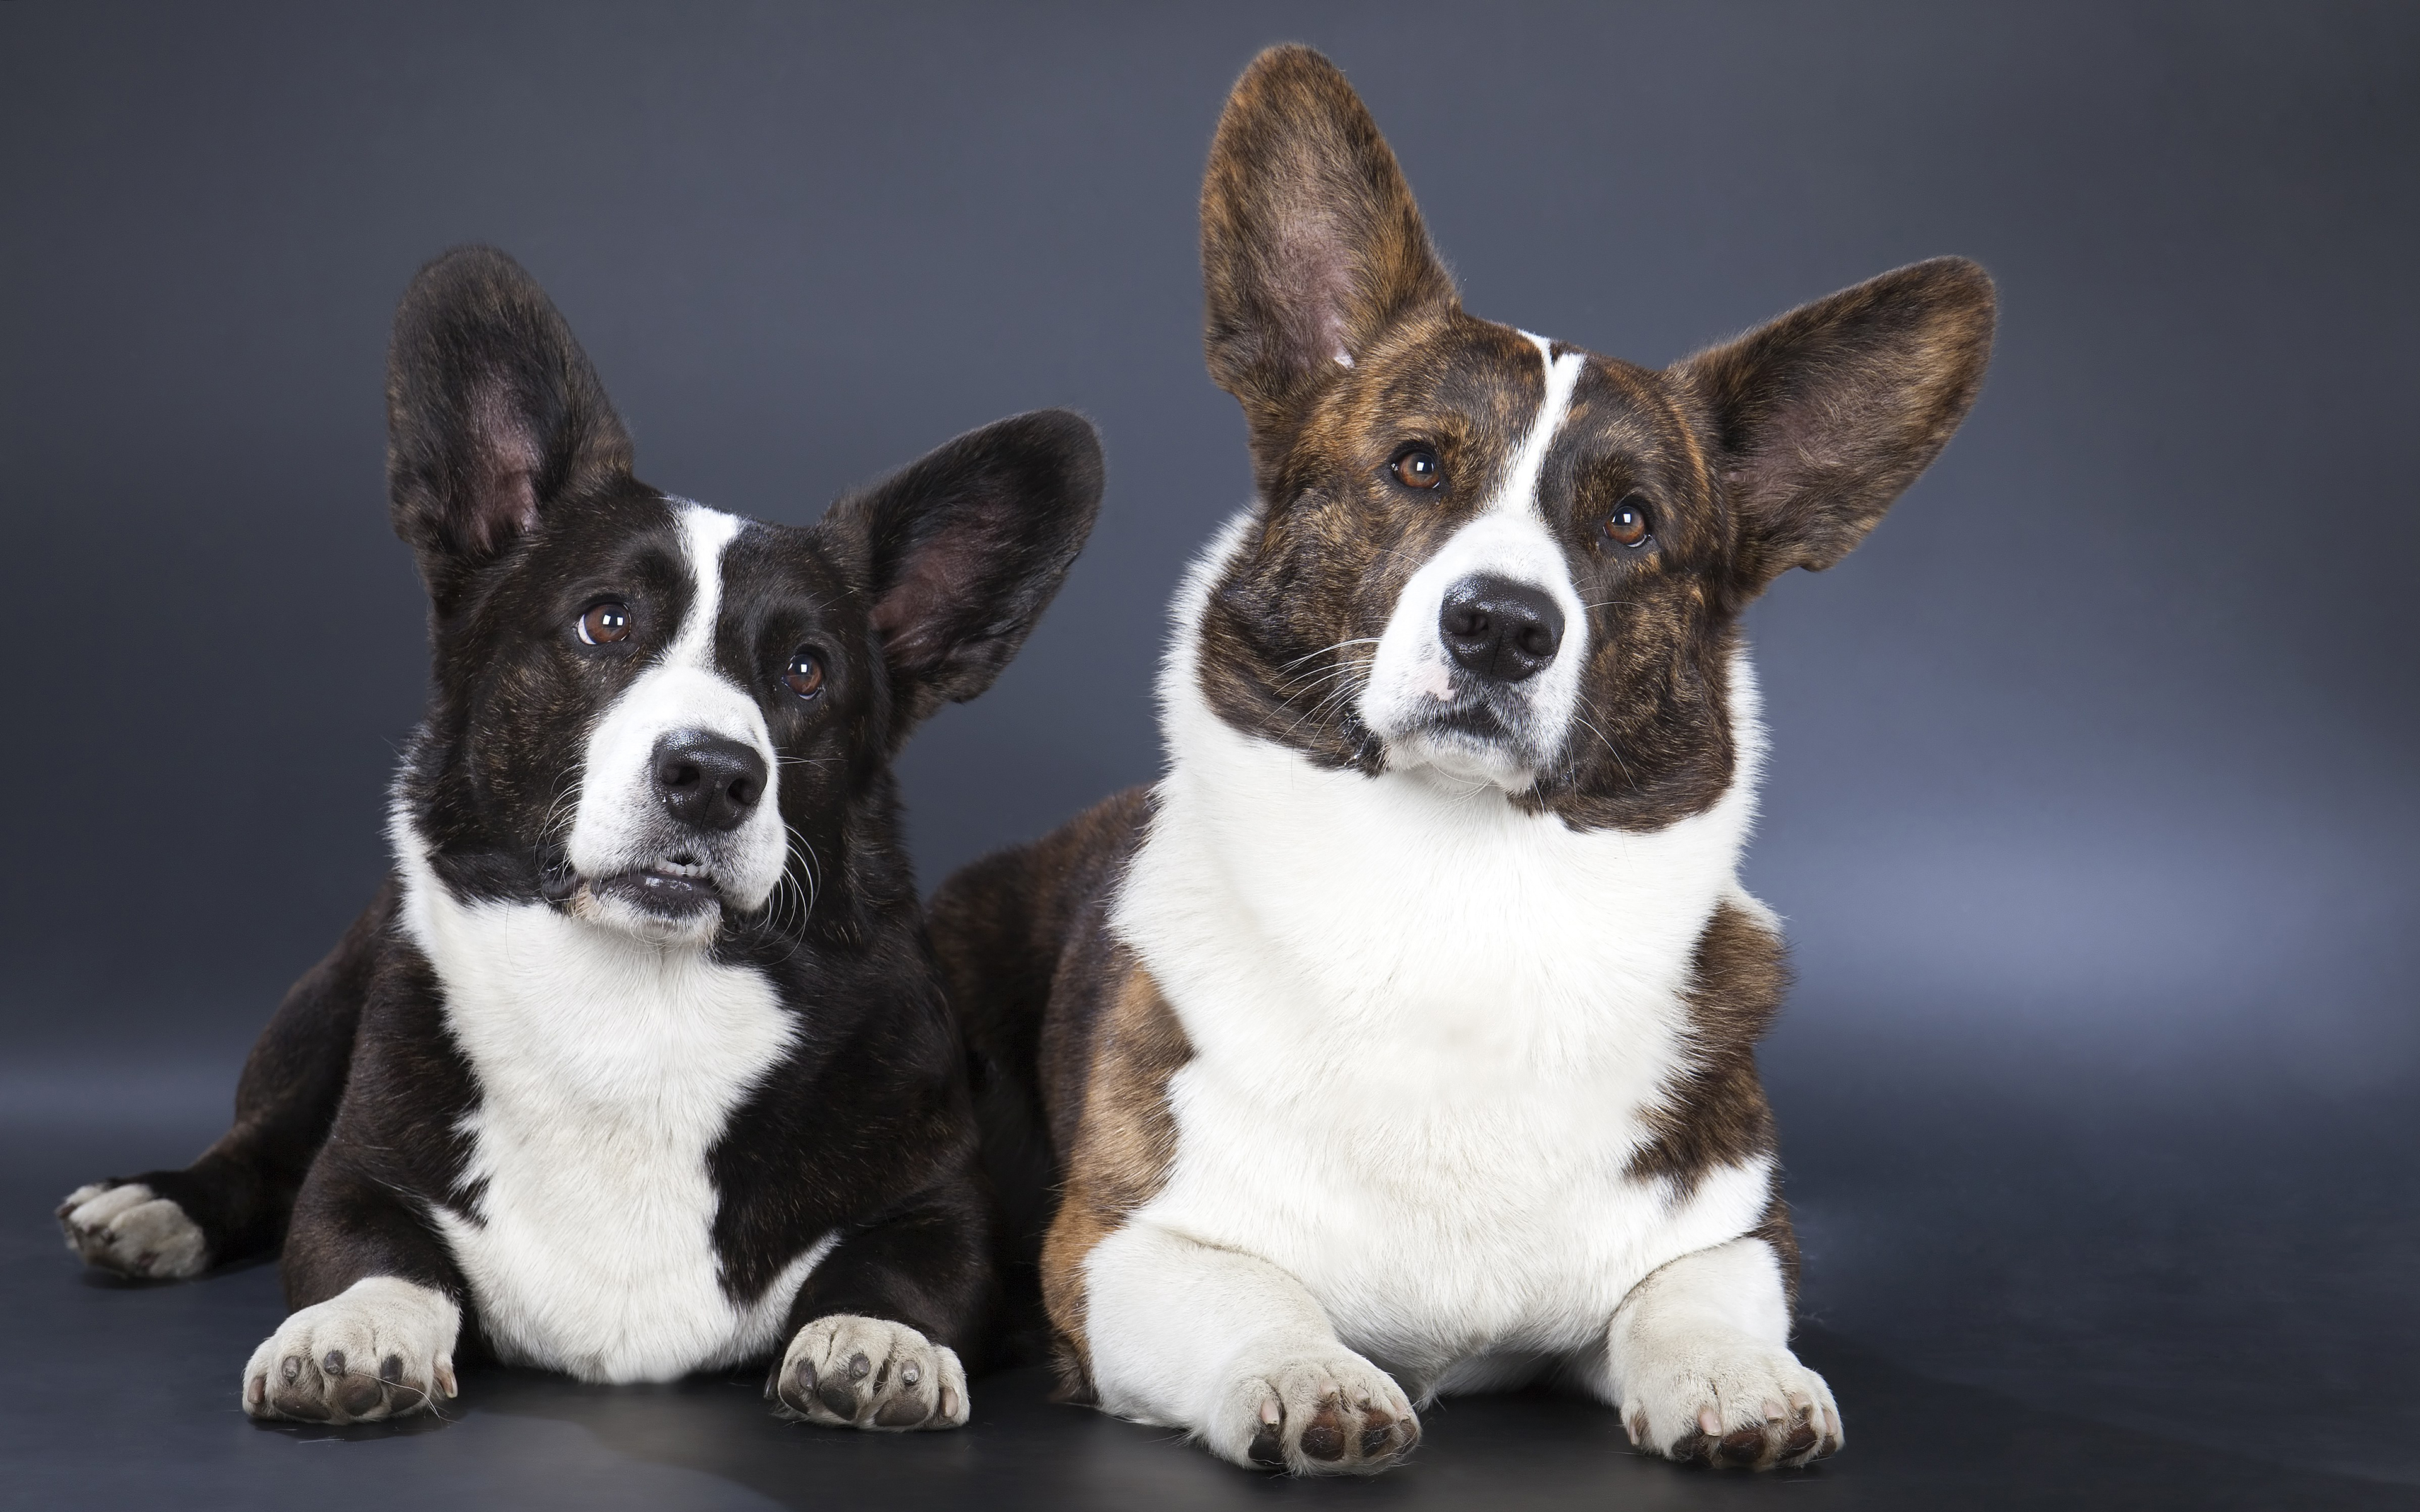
x: 1357, y: 641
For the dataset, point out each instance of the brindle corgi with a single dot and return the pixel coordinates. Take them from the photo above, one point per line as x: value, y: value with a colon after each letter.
x: 1402, y: 1040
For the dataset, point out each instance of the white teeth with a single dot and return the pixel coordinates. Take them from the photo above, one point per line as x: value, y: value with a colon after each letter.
x: 680, y: 869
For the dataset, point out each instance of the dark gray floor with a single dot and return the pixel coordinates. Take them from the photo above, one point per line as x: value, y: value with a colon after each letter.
x: 117, y: 1396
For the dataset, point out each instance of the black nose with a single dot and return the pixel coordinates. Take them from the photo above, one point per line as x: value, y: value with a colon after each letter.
x: 706, y: 781
x: 1498, y: 629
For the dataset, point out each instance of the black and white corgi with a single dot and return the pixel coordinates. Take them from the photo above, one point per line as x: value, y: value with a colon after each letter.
x: 639, y: 1063
x: 1401, y: 1040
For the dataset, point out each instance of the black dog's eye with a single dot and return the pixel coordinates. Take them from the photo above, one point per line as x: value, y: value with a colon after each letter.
x: 1629, y: 524
x: 605, y: 623
x: 1418, y: 469
x: 806, y: 673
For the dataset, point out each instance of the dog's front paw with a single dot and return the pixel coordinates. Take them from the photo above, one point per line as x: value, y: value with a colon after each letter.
x: 1320, y: 1413
x: 129, y: 1228
x: 846, y: 1371
x: 383, y: 1348
x: 1722, y: 1397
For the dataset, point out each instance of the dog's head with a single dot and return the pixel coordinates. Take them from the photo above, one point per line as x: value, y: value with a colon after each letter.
x: 1496, y: 559
x: 651, y: 714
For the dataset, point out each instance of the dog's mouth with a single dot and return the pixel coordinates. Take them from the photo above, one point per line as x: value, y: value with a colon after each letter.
x: 668, y: 889
x: 677, y: 890
x: 1473, y: 736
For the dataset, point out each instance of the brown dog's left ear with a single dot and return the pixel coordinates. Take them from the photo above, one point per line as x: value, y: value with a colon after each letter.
x: 967, y: 546
x: 1822, y: 418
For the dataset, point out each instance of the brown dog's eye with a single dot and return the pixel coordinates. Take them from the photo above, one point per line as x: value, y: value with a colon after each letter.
x: 1418, y: 469
x: 606, y: 622
x: 806, y: 673
x: 1629, y: 524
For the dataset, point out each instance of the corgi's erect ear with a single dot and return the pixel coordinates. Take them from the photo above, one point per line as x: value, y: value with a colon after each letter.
x: 1311, y: 244
x: 1822, y: 418
x: 493, y: 413
x: 965, y: 547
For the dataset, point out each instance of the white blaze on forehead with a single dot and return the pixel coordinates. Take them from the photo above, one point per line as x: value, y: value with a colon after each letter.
x: 1520, y: 487
x: 1509, y: 538
x: 620, y: 826
x: 704, y: 531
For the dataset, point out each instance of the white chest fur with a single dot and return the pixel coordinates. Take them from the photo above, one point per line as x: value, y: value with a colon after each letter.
x: 1425, y: 1027
x: 606, y: 1070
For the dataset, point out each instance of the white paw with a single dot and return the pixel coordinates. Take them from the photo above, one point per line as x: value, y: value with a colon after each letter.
x: 845, y: 1371
x: 1716, y: 1394
x: 383, y: 1348
x: 132, y: 1231
x: 1322, y: 1411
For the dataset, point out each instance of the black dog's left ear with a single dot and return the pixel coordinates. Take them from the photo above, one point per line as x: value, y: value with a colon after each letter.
x: 967, y: 547
x: 1822, y: 418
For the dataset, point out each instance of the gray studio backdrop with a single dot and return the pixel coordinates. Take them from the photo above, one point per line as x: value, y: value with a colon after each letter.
x: 2090, y: 801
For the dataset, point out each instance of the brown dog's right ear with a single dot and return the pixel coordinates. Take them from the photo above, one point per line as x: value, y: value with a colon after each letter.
x: 1311, y: 244
x: 493, y: 413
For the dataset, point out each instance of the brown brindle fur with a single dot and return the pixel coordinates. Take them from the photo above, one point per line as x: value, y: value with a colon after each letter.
x: 1124, y: 1141
x: 1041, y: 987
x: 1777, y: 450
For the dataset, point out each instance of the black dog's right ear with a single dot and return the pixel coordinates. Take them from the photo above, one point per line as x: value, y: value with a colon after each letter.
x: 1311, y: 244
x: 965, y: 547
x: 493, y: 412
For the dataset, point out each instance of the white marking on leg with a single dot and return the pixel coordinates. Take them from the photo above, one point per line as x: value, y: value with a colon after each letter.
x: 135, y: 1231
x: 1700, y: 1350
x: 381, y: 1347
x: 1224, y: 1343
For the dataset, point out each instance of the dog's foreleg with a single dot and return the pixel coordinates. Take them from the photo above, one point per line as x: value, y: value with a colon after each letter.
x: 1235, y: 1349
x: 376, y: 1299
x: 1697, y: 1362
x: 877, y: 1328
x: 233, y: 1202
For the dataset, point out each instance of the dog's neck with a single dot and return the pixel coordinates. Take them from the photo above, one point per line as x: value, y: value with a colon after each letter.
x: 1397, y: 899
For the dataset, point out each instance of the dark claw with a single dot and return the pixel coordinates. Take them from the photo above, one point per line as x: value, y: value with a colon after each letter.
x: 301, y: 1404
x: 1324, y: 1440
x: 391, y: 1371
x: 357, y: 1394
x: 291, y: 1369
x: 901, y: 1412
x: 1743, y: 1446
x: 333, y: 1362
x: 1376, y: 1428
x: 839, y: 1398
x: 857, y: 1366
x: 1265, y: 1448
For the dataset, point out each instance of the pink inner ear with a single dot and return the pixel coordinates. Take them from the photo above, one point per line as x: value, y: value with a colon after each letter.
x: 918, y: 618
x: 1311, y: 280
x: 500, y: 501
